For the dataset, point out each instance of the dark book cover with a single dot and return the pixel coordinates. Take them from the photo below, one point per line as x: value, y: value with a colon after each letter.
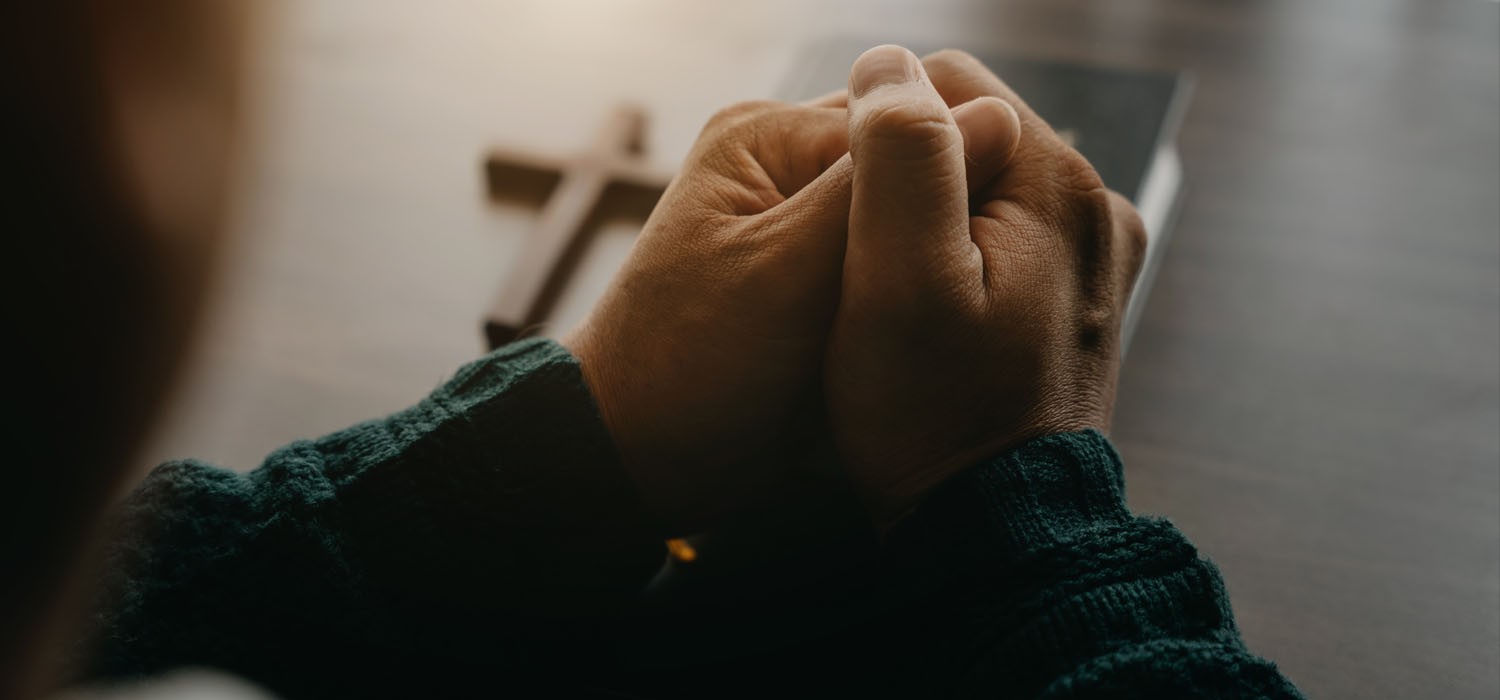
x: 1116, y: 118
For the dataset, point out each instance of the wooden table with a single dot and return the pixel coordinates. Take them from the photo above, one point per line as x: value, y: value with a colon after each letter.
x: 1313, y: 395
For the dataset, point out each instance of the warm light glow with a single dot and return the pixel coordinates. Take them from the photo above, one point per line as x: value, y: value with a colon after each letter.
x: 682, y: 551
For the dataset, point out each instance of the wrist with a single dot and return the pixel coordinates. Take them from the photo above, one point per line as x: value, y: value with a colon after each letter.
x: 894, y: 476
x: 617, y: 414
x: 596, y: 378
x: 892, y: 489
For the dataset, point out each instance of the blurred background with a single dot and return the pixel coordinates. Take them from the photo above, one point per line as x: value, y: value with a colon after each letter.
x: 1313, y: 393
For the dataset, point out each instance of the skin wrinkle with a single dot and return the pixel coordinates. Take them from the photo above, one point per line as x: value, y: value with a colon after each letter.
x: 785, y: 188
x: 780, y: 240
x: 753, y: 172
x: 729, y: 117
x: 829, y: 140
x: 909, y: 138
x: 764, y: 132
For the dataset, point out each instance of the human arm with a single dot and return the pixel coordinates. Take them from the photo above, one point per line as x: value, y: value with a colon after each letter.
x: 488, y: 529
x: 1004, y: 279
x: 1027, y: 574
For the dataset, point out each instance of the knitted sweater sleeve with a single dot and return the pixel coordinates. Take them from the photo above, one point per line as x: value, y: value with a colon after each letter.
x: 1031, y: 577
x: 488, y: 529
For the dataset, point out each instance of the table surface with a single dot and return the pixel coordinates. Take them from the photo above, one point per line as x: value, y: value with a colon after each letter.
x: 1313, y: 394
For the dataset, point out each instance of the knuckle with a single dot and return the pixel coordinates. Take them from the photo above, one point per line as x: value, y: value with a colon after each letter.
x: 1135, y: 256
x: 1093, y: 212
x: 1097, y: 329
x: 730, y: 135
x: 917, y: 129
x: 1061, y: 182
x: 1076, y: 174
x: 1133, y: 229
x: 1126, y: 221
x: 740, y: 113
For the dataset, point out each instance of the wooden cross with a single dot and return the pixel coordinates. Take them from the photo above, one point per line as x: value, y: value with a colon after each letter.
x: 614, y: 164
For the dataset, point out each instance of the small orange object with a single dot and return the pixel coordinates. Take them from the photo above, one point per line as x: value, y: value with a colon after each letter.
x: 681, y: 550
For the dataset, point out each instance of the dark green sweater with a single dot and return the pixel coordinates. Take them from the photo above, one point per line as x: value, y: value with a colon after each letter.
x: 487, y: 540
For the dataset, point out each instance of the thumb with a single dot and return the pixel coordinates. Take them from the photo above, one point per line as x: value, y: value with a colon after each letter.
x: 909, y: 213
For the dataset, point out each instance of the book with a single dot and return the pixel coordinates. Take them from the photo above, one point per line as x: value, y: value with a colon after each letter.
x: 1123, y: 120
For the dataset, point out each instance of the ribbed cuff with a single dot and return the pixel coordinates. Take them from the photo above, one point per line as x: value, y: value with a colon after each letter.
x: 531, y: 411
x: 1028, y: 567
x: 1029, y: 499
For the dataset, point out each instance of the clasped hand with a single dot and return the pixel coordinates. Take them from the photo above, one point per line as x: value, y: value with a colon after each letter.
x: 917, y: 267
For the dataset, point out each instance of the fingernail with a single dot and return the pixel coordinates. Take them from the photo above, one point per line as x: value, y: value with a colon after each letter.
x: 883, y: 65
